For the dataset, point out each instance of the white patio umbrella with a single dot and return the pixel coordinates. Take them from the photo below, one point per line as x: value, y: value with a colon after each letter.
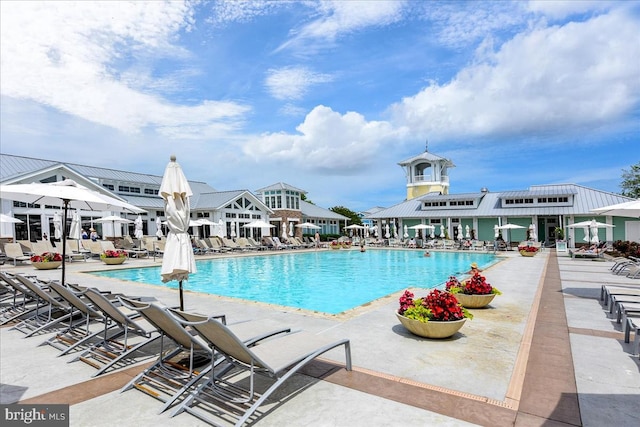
x: 406, y: 231
x: 67, y: 193
x: 220, y: 228
x: 395, y: 231
x: 460, y: 236
x: 260, y: 224
x: 586, y: 234
x: 532, y: 232
x: 138, y: 233
x: 232, y: 232
x: 178, y: 260
x: 442, y: 231
x: 590, y: 223
x: 433, y: 233
x: 629, y: 209
x: 496, y: 231
x: 113, y: 219
x: 9, y: 219
x: 284, y: 231
x: 308, y: 225
x: 387, y: 234
x: 467, y: 232
x: 510, y: 227
x: 57, y: 226
x: 291, y: 232
x: 159, y: 232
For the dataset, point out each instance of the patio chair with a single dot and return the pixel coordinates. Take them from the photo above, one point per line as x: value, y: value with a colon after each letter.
x: 75, y: 335
x: 20, y: 303
x: 226, y: 242
x: 51, y: 309
x: 95, y: 248
x: 280, y: 357
x: 110, y: 352
x: 633, y: 324
x: 13, y: 251
x: 168, y: 378
x: 73, y: 255
x: 256, y: 245
x: 216, y: 245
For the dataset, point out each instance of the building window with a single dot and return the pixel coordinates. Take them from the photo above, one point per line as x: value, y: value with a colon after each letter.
x: 108, y: 186
x: 151, y: 191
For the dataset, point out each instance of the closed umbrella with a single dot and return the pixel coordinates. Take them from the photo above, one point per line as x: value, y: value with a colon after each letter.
x: 586, y: 234
x: 69, y: 194
x: 138, y: 233
x: 406, y: 231
x: 159, y: 228
x: 496, y: 231
x: 178, y: 261
x: 532, y: 232
x: 57, y: 226
x: 460, y: 232
x: 467, y: 232
x: 284, y: 231
x: 220, y: 228
x: 75, y: 232
x: 291, y: 229
x: 442, y: 231
x: 594, y: 232
x: 387, y: 234
x: 433, y: 233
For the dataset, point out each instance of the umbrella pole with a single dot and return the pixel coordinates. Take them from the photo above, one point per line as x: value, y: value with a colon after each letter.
x: 181, y: 300
x: 64, y: 238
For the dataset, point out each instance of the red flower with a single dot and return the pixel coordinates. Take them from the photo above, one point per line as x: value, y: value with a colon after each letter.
x: 47, y: 257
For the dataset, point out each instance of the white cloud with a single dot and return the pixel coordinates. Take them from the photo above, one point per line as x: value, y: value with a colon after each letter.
x: 544, y: 80
x: 329, y: 141
x: 224, y: 11
x: 337, y: 18
x: 290, y: 83
x: 559, y: 9
x: 65, y: 57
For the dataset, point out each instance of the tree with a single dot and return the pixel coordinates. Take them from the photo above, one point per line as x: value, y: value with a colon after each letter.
x: 353, y: 217
x: 304, y: 197
x: 631, y: 182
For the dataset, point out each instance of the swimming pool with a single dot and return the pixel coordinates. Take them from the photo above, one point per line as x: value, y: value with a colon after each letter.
x: 325, y: 281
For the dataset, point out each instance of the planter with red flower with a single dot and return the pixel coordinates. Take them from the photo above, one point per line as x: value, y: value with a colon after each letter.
x: 113, y: 257
x: 438, y: 315
x: 335, y: 245
x: 528, y: 251
x: 47, y: 261
x: 474, y: 292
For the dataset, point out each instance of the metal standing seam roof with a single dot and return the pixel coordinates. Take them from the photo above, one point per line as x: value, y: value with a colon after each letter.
x: 16, y: 166
x: 280, y: 186
x: 310, y: 210
x: 428, y: 157
x: 585, y: 199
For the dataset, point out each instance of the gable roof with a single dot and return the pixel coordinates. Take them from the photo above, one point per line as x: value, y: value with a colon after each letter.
x: 310, y: 210
x: 280, y: 186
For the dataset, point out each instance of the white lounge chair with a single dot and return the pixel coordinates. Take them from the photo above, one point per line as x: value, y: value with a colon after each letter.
x: 13, y: 251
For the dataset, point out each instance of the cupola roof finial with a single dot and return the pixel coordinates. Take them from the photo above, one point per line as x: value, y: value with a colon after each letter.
x: 426, y: 145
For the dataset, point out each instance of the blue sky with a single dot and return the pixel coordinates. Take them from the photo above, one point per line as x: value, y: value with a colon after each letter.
x: 327, y: 96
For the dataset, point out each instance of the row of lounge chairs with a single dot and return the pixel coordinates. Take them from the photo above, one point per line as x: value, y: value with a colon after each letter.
x: 216, y: 244
x: 623, y: 304
x: 203, y: 366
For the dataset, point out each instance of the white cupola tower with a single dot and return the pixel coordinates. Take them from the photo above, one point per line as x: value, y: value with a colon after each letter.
x: 426, y: 173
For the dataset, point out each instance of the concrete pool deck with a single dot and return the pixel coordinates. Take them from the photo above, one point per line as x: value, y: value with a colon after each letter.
x: 544, y: 353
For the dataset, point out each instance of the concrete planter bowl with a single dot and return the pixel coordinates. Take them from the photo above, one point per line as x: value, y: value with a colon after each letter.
x: 50, y: 265
x: 475, y: 301
x: 431, y: 329
x: 113, y: 261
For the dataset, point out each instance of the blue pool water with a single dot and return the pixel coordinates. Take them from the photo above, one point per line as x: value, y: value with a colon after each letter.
x: 325, y: 281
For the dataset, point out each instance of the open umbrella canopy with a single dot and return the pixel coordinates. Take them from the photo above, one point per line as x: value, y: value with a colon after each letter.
x: 259, y: 224
x: 9, y: 219
x: 308, y: 225
x: 629, y: 209
x: 590, y: 223
x: 510, y: 227
x: 356, y: 227
x: 55, y: 193
x: 178, y: 260
x: 67, y: 194
x: 113, y: 219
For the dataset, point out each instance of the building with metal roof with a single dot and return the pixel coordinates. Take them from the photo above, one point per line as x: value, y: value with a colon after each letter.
x: 542, y: 208
x: 234, y: 208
